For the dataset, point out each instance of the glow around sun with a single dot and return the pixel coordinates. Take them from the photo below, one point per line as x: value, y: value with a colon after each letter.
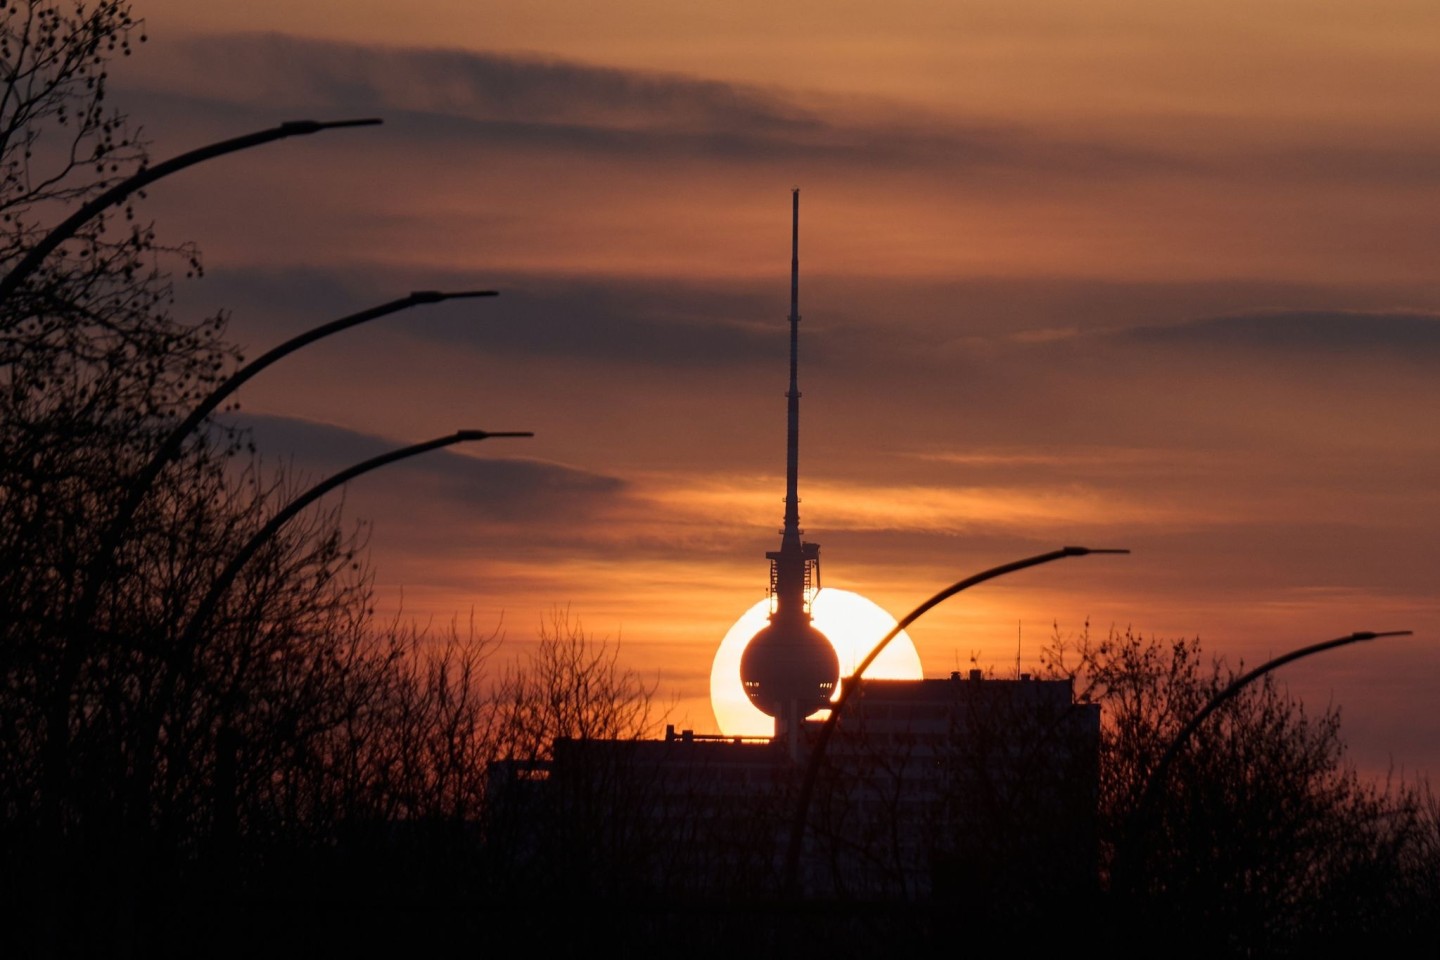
x: 854, y: 625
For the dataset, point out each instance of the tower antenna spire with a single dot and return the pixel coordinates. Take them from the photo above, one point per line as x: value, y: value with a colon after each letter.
x: 795, y: 567
x: 792, y: 435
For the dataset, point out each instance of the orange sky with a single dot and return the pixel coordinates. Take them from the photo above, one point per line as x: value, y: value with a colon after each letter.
x: 1147, y: 275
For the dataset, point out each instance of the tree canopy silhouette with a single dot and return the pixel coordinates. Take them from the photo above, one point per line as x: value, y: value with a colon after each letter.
x: 1260, y: 838
x: 125, y: 756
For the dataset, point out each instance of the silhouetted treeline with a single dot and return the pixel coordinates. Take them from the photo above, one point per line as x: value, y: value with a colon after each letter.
x: 158, y: 764
x: 1260, y: 839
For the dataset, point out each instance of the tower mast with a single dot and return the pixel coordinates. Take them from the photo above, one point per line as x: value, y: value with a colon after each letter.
x: 795, y: 567
x: 789, y: 669
x: 792, y: 436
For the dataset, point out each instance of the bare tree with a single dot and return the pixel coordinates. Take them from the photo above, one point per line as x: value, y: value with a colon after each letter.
x: 127, y: 758
x: 568, y: 805
x: 571, y: 686
x: 1263, y: 839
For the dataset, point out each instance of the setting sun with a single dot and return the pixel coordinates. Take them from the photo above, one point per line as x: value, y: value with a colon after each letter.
x: 853, y: 625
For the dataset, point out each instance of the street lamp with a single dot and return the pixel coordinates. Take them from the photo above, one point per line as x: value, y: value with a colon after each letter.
x: 227, y: 576
x: 55, y: 740
x: 849, y: 684
x: 141, y: 483
x: 148, y: 175
x: 170, y: 447
x: 139, y: 486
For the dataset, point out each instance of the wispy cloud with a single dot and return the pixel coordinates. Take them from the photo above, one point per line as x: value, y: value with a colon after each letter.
x: 498, y: 87
x: 1399, y: 335
x: 499, y: 481
x: 545, y: 103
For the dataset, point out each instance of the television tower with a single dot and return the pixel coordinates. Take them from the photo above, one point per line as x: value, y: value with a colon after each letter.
x: 789, y: 668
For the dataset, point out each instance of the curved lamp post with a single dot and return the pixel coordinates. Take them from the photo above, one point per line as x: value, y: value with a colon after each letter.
x: 170, y: 447
x: 55, y: 744
x: 849, y: 684
x: 125, y: 188
x: 222, y: 583
x: 1139, y: 819
x: 140, y: 485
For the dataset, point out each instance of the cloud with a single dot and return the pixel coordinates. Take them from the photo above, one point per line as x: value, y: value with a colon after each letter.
x: 910, y: 507
x: 539, y: 103
x: 672, y: 323
x: 502, y: 88
x: 655, y: 322
x: 851, y: 319
x: 1396, y: 335
x: 504, y: 484
x: 545, y: 104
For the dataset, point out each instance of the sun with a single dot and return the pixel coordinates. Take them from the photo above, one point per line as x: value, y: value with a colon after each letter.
x: 853, y: 624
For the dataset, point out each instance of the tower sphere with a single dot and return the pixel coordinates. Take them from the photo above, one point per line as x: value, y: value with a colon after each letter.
x: 789, y: 661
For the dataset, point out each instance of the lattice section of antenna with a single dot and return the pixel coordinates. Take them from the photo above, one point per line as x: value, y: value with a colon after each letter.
x: 811, y: 553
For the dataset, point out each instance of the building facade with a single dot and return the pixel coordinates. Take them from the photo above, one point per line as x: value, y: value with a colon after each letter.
x: 963, y: 787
